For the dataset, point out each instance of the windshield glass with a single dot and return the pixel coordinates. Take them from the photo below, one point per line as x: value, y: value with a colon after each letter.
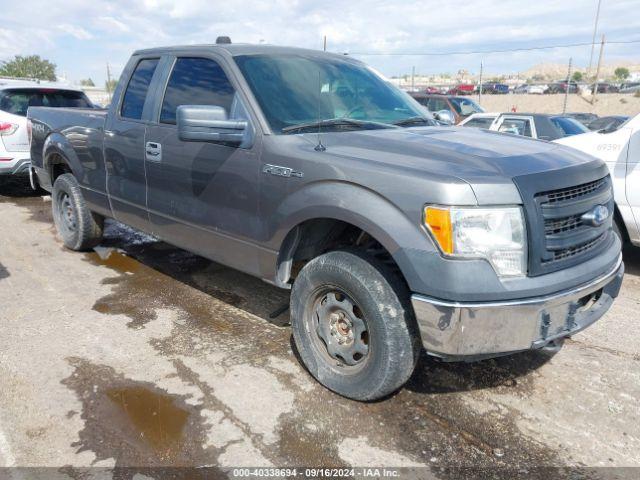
x: 17, y: 101
x: 465, y: 106
x: 569, y: 126
x: 296, y: 89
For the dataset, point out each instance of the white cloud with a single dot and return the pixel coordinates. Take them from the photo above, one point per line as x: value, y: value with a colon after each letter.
x: 110, y: 30
x: 75, y: 31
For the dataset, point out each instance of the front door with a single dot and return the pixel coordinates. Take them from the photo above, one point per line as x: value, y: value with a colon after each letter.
x: 202, y: 196
x: 124, y: 140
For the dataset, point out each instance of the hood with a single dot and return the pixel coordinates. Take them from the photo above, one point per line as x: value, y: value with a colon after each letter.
x: 482, y: 158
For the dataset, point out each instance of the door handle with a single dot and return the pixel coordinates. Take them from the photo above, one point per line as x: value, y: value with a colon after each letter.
x: 153, y: 151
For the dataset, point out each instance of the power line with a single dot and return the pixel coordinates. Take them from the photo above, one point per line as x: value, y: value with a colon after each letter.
x: 476, y: 52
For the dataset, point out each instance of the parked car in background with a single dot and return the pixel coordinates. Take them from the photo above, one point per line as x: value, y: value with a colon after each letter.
x: 619, y: 147
x: 538, y: 125
x: 583, y: 117
x: 610, y: 122
x: 632, y: 87
x: 530, y: 89
x: 605, y: 87
x: 462, y: 89
x: 561, y: 87
x: 434, y: 90
x: 15, y: 99
x: 460, y: 107
x: 495, y: 88
x: 479, y: 120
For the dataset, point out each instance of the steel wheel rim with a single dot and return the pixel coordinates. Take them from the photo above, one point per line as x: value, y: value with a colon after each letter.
x: 338, y: 329
x: 66, y: 213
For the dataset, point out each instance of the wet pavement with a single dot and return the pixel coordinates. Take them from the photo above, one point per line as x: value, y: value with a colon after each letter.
x: 140, y: 355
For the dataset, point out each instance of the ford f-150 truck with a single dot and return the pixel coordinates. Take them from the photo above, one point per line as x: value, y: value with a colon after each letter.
x: 311, y: 171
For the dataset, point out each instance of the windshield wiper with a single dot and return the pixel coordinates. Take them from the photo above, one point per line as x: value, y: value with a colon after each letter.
x: 405, y: 122
x: 336, y: 122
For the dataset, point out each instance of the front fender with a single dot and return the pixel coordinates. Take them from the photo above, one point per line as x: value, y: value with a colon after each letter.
x: 360, y: 207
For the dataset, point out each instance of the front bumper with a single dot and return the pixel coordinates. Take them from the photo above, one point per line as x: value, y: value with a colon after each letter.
x: 468, y: 331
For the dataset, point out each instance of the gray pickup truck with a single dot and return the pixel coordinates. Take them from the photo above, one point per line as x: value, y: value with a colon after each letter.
x: 312, y: 172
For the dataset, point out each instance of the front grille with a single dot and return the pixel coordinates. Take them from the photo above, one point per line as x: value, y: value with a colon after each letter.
x: 577, y: 250
x: 564, y: 194
x: 566, y: 236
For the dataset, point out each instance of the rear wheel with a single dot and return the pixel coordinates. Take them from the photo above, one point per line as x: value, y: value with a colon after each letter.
x: 353, y: 325
x: 79, y: 228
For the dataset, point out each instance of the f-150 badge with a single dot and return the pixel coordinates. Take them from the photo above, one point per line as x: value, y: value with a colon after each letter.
x: 281, y: 171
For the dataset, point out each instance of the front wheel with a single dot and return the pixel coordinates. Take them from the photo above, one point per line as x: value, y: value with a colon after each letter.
x: 79, y: 228
x: 353, y: 325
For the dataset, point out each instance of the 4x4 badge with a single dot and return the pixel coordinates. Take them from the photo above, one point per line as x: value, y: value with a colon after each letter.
x: 281, y: 171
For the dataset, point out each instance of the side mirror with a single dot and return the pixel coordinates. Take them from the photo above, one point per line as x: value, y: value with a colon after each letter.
x: 445, y: 116
x: 205, y: 123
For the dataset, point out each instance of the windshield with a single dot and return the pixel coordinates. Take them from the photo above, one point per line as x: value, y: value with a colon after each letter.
x: 465, y: 106
x: 297, y: 89
x: 568, y: 126
x: 17, y: 101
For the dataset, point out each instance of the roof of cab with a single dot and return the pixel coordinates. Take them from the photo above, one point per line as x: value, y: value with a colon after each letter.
x: 235, y: 49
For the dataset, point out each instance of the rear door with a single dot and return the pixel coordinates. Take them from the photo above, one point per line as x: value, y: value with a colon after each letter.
x: 124, y: 141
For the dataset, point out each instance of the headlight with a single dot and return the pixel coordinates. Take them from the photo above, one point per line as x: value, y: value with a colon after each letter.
x: 496, y: 234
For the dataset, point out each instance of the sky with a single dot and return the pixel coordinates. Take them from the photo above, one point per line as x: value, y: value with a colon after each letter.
x: 82, y: 36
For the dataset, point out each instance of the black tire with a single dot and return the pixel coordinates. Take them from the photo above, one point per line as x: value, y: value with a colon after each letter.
x: 79, y: 228
x: 381, y: 342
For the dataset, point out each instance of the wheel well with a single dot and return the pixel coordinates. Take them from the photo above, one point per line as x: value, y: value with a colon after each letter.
x: 617, y: 217
x: 317, y: 236
x: 58, y: 166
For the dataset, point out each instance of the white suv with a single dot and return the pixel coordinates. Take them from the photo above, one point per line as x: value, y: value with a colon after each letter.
x: 16, y: 96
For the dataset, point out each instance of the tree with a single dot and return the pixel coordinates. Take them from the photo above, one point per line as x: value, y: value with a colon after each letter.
x: 110, y: 85
x: 31, y: 66
x: 621, y: 73
x: 577, y: 76
x: 87, y: 82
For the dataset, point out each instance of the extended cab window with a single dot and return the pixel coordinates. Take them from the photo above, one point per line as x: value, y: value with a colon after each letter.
x: 196, y: 81
x: 136, y: 93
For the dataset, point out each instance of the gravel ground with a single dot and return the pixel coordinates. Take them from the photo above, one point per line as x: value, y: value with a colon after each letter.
x: 606, y: 104
x: 140, y: 355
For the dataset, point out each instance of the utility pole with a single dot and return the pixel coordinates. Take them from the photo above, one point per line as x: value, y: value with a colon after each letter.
x: 480, y: 86
x: 593, y: 39
x: 108, y: 82
x: 324, y: 44
x: 595, y: 83
x: 566, y: 93
x: 413, y: 79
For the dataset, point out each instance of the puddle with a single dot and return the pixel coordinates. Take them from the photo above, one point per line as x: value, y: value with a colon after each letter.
x: 136, y: 424
x: 154, y: 416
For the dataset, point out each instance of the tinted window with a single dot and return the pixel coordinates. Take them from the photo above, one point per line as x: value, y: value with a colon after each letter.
x: 437, y: 104
x: 17, y: 101
x: 133, y: 102
x: 568, y: 126
x: 195, y: 81
x: 465, y: 106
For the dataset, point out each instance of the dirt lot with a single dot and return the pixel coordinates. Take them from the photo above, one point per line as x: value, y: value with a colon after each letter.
x: 606, y: 104
x: 143, y: 355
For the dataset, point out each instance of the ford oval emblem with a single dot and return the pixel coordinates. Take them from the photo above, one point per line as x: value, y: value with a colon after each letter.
x: 596, y: 217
